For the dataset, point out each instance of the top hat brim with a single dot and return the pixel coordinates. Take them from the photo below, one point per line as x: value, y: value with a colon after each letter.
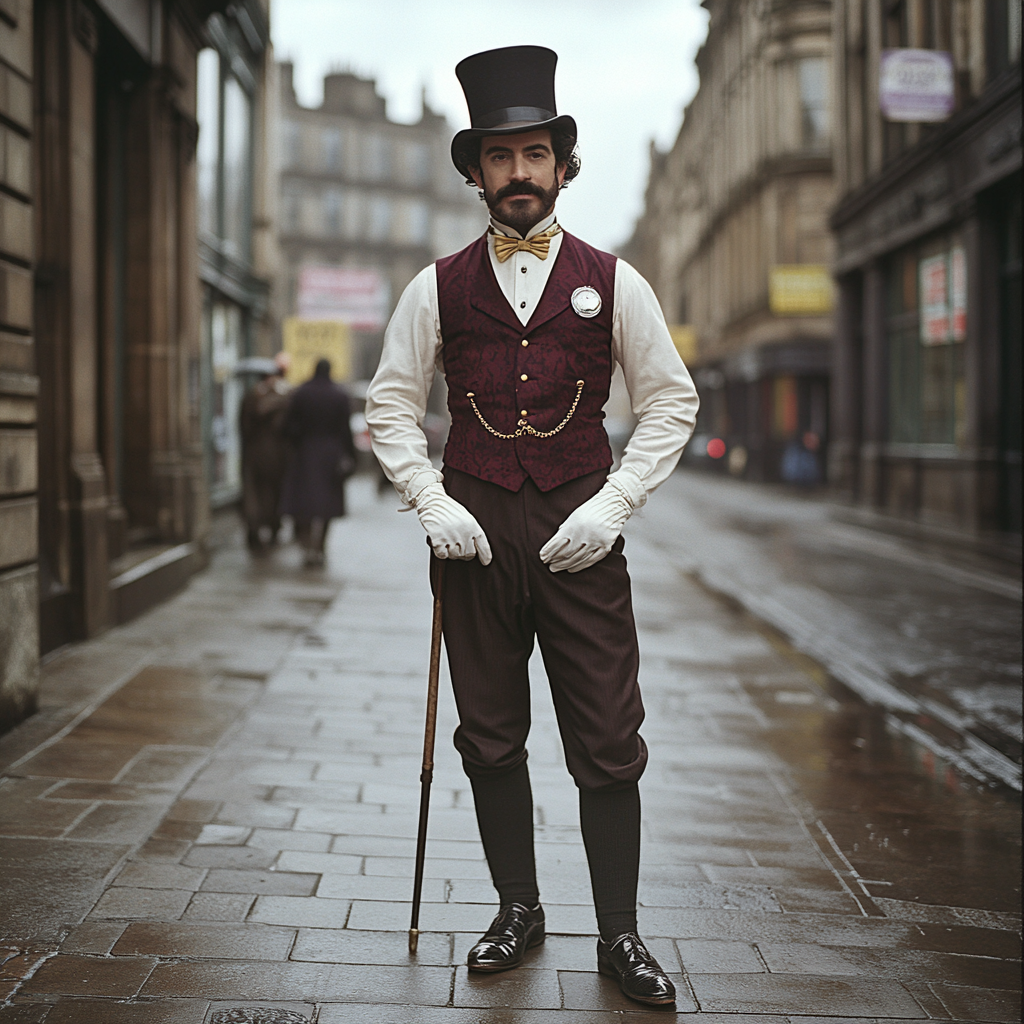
x: 562, y: 121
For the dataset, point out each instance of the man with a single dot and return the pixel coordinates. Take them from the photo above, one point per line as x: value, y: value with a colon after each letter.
x: 526, y: 323
x: 264, y: 454
x: 322, y: 459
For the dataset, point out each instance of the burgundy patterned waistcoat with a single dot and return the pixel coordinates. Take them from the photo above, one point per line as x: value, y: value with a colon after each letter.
x: 504, y: 378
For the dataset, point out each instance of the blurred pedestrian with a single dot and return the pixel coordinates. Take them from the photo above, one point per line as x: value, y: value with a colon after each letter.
x: 264, y: 454
x: 529, y: 321
x: 322, y: 459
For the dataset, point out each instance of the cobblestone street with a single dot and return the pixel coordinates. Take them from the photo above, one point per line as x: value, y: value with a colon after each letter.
x: 215, y: 812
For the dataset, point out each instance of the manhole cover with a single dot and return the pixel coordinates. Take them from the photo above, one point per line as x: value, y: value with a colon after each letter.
x: 258, y: 1015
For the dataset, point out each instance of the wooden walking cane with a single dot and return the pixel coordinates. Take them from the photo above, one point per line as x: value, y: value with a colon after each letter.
x: 427, y: 772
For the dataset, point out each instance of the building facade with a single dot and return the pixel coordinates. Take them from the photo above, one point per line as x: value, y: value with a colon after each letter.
x: 19, y: 381
x: 103, y: 489
x: 363, y: 193
x: 236, y: 107
x: 926, y: 424
x: 734, y: 238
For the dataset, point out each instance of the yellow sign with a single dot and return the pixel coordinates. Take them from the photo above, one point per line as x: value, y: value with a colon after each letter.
x: 684, y: 337
x: 800, y: 288
x: 307, y: 341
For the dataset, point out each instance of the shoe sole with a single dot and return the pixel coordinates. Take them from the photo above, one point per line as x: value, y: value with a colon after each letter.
x: 498, y: 968
x: 608, y: 970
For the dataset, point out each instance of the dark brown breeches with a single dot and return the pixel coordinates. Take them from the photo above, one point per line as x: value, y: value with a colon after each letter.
x: 582, y: 621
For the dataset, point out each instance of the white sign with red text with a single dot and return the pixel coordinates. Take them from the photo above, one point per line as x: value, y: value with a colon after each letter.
x: 942, y: 303
x: 359, y: 298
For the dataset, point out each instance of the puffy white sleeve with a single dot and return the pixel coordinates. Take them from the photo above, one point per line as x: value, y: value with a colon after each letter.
x: 396, y: 400
x: 662, y: 395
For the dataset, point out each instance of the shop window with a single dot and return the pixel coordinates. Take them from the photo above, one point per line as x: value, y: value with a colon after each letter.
x: 814, y: 102
x: 224, y: 347
x: 208, y: 145
x: 224, y: 155
x: 785, y: 409
x: 237, y: 158
x: 926, y: 329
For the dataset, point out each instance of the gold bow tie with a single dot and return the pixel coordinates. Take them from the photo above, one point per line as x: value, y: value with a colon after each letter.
x: 504, y: 246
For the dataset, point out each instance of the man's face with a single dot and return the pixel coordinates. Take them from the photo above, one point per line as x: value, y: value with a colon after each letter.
x: 519, y: 176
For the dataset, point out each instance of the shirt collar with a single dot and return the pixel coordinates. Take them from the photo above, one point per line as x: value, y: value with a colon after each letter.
x: 535, y: 230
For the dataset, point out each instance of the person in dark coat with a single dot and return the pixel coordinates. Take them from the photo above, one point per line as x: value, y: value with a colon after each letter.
x: 322, y: 458
x: 264, y: 456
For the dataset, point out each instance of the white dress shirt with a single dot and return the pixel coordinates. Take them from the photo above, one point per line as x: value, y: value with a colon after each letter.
x: 661, y: 392
x: 522, y: 276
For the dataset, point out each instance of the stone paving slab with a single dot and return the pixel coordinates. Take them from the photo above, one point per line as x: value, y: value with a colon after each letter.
x: 800, y: 863
x: 804, y: 994
x: 73, y: 974
x: 93, y: 1011
x: 237, y: 942
x: 419, y: 986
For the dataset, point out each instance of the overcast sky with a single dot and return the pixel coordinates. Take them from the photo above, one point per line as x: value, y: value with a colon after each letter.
x: 625, y: 72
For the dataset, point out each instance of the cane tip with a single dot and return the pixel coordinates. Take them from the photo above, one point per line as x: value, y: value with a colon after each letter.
x: 414, y: 940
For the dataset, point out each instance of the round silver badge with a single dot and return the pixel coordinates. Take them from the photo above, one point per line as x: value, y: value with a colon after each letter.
x: 586, y: 301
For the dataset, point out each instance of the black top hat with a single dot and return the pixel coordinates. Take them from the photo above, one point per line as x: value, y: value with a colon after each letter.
x: 508, y: 91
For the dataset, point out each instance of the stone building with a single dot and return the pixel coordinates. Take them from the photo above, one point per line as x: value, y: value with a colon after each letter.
x: 363, y: 193
x: 103, y: 486
x: 926, y: 424
x: 734, y: 237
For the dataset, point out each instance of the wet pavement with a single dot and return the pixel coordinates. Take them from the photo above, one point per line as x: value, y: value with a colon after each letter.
x: 929, y: 632
x: 213, y: 817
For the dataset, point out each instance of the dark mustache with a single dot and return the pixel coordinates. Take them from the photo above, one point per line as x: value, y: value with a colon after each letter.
x: 520, y: 188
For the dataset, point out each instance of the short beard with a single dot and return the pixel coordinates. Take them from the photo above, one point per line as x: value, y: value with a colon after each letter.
x: 524, y: 221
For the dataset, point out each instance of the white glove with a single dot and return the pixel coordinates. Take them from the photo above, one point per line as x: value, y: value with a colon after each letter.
x: 452, y: 529
x: 590, y: 531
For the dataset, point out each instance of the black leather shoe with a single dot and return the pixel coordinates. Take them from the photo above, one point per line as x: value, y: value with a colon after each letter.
x: 640, y: 975
x: 515, y: 930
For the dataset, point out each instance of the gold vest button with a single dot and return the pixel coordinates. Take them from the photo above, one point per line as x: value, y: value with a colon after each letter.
x: 524, y: 377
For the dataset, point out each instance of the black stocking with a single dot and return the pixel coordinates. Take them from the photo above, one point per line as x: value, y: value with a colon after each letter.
x: 610, y: 822
x: 504, y: 812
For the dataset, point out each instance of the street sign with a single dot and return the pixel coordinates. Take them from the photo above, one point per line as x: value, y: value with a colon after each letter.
x: 359, y: 298
x: 916, y: 85
x: 800, y: 288
x: 306, y: 341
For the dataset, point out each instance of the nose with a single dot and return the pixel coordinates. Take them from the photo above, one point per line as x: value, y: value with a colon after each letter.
x: 520, y: 168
